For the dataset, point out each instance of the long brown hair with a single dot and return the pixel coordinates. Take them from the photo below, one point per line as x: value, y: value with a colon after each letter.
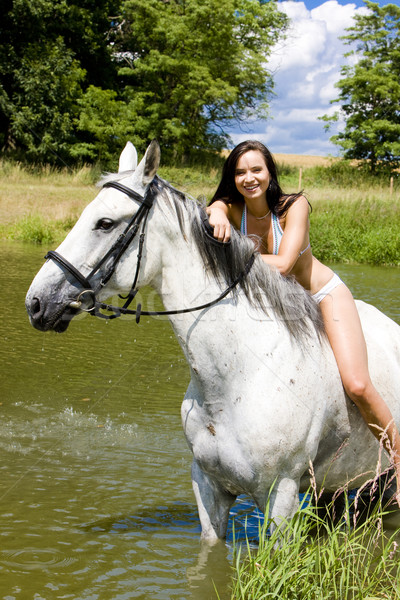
x: 278, y: 202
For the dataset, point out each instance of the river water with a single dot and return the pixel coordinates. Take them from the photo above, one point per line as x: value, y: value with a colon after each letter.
x: 95, y: 492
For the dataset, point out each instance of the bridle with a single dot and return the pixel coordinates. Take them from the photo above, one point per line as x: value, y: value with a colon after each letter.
x: 138, y: 221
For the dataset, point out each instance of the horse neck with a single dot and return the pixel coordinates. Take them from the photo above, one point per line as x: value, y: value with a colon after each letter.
x: 183, y: 280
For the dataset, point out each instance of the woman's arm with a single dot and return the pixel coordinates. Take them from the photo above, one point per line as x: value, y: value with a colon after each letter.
x: 294, y: 240
x: 219, y: 217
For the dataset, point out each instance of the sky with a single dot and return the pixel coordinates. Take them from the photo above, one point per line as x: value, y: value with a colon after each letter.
x: 306, y: 67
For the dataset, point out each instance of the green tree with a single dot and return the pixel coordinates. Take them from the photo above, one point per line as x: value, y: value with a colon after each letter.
x: 190, y: 68
x: 370, y: 90
x: 79, y: 77
x: 42, y: 118
x: 51, y: 51
x: 108, y: 123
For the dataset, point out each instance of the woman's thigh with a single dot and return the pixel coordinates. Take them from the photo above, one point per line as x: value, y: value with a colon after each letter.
x: 345, y: 334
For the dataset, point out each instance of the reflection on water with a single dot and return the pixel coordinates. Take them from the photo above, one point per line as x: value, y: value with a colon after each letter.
x: 95, y: 491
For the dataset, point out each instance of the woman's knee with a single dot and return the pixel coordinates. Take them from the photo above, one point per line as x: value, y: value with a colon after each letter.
x: 357, y: 388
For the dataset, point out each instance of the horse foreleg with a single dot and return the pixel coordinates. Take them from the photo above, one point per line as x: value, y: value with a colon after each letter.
x: 213, y: 504
x: 283, y: 502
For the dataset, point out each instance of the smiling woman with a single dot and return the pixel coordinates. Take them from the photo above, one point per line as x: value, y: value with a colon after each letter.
x: 252, y: 179
x: 250, y: 174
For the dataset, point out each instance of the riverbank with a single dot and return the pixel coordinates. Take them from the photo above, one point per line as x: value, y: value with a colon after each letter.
x: 354, y: 219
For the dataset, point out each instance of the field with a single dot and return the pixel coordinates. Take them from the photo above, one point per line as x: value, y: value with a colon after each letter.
x: 302, y: 160
x: 355, y: 218
x: 51, y: 194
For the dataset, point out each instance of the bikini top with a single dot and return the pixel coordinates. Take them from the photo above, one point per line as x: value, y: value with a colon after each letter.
x: 277, y: 231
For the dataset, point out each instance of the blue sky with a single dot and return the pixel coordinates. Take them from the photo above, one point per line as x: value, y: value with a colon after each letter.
x: 306, y: 67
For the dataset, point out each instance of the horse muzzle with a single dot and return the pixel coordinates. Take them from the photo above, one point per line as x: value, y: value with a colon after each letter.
x: 50, y: 314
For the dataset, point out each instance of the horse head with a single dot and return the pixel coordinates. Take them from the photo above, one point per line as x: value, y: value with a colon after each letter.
x: 96, y: 258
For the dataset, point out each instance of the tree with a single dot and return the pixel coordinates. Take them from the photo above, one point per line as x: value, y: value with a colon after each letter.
x: 370, y: 90
x: 79, y: 77
x: 108, y: 123
x: 191, y: 68
x: 51, y: 51
x: 41, y: 119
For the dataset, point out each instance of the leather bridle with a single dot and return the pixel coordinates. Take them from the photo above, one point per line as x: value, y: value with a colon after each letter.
x: 138, y: 221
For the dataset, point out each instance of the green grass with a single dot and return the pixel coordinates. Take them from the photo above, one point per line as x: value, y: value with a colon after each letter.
x: 365, y: 231
x: 343, y: 174
x: 37, y: 230
x: 318, y: 559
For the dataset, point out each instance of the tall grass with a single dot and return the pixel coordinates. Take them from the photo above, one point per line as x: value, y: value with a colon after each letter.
x: 318, y: 558
x: 346, y: 174
x: 16, y: 172
x: 357, y: 230
x: 37, y: 230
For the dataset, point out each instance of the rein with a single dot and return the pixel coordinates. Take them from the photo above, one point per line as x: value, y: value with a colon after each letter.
x: 153, y: 313
x: 116, y: 251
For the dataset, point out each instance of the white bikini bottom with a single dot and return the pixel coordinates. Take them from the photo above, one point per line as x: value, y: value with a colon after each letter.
x: 328, y: 288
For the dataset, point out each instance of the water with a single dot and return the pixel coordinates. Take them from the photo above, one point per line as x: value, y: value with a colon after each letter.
x: 95, y: 492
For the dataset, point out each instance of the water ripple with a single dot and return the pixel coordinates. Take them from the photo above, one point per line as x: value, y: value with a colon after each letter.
x: 36, y: 558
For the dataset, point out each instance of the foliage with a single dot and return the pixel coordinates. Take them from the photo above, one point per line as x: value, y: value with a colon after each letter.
x: 51, y: 51
x: 321, y: 559
x: 36, y: 230
x: 191, y: 68
x: 108, y: 124
x: 370, y: 90
x: 361, y: 230
x: 77, y: 79
x: 41, y: 119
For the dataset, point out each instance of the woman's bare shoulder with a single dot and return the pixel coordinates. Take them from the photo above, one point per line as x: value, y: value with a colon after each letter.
x: 295, y: 204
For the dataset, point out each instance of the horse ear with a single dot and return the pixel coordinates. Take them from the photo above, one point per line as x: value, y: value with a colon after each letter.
x: 128, y: 158
x: 151, y: 162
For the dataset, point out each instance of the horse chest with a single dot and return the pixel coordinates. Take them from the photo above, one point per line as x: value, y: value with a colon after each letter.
x: 222, y: 456
x: 220, y: 450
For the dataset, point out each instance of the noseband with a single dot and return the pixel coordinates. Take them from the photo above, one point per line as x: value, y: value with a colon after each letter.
x: 114, y: 254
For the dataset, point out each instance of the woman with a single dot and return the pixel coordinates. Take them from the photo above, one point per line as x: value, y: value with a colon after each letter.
x: 250, y: 198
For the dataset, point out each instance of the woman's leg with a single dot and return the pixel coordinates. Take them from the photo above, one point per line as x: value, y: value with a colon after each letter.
x: 346, y: 337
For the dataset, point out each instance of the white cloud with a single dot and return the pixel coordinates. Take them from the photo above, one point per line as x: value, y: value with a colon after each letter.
x: 305, y: 41
x: 306, y: 67
x: 336, y: 20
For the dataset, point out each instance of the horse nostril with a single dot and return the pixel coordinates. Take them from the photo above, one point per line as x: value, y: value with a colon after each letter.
x: 35, y: 308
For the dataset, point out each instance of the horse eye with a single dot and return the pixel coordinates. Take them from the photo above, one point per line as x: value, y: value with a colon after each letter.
x: 104, y: 224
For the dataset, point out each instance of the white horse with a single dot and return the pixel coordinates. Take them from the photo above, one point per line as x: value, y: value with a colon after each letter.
x: 265, y: 396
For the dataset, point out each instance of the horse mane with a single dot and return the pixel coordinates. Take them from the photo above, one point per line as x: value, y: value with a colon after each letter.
x: 265, y: 288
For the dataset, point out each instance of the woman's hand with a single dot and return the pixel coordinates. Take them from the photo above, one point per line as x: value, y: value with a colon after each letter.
x: 218, y: 218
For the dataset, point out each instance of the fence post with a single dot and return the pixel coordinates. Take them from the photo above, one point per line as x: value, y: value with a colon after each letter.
x: 300, y: 176
x: 391, y: 185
